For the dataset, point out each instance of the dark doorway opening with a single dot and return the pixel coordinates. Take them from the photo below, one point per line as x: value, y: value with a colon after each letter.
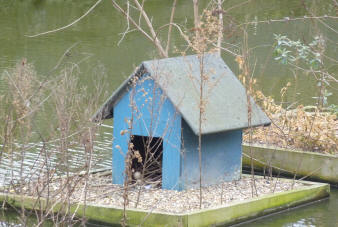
x: 147, y: 159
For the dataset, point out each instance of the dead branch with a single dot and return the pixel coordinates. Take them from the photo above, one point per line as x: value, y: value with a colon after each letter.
x: 127, y: 29
x: 220, y: 32
x: 68, y: 25
x: 287, y: 19
x: 170, y: 26
x: 184, y: 36
x: 153, y: 38
x: 196, y: 17
x: 152, y: 31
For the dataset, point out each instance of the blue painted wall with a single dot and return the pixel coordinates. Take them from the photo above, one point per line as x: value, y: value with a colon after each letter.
x: 221, y: 157
x: 153, y: 115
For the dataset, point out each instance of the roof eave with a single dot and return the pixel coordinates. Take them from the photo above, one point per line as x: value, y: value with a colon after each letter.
x: 207, y: 132
x: 106, y: 110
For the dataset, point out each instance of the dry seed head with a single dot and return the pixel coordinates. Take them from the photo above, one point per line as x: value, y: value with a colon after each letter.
x: 206, y: 34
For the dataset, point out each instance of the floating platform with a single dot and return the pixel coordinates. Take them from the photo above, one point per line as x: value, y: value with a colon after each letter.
x: 310, y: 165
x: 231, y: 213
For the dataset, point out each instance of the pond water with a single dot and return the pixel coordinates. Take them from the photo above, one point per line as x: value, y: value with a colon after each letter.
x: 323, y: 213
x: 96, y: 45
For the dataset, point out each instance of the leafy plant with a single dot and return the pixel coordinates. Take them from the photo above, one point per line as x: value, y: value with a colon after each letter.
x: 297, y: 54
x: 333, y: 109
x: 289, y: 51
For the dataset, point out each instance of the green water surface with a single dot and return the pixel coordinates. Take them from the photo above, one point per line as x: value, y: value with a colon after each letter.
x: 323, y: 214
x: 95, y: 41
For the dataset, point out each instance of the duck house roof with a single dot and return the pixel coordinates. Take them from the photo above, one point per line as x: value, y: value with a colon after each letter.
x: 225, y: 107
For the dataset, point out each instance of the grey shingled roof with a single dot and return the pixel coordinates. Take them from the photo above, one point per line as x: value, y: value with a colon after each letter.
x: 226, y: 102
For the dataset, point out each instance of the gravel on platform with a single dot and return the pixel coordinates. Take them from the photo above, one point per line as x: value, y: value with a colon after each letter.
x: 156, y: 199
x: 98, y: 189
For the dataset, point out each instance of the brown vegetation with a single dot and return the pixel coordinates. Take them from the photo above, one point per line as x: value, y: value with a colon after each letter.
x: 303, y: 128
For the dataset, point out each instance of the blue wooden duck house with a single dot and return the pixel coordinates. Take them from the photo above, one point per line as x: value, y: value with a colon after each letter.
x: 158, y: 107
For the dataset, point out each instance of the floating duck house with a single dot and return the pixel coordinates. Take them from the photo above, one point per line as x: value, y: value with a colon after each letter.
x: 157, y: 113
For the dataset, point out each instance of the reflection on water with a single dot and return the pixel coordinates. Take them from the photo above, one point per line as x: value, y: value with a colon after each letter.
x: 34, y: 160
x: 309, y: 222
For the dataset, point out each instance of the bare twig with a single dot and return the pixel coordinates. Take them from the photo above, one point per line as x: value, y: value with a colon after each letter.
x: 68, y: 25
x: 220, y: 32
x: 153, y: 37
x: 170, y: 26
x: 226, y: 50
x: 328, y: 26
x: 128, y: 26
x: 287, y: 19
x: 201, y: 114
x: 151, y: 28
x: 184, y: 36
x: 196, y: 18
